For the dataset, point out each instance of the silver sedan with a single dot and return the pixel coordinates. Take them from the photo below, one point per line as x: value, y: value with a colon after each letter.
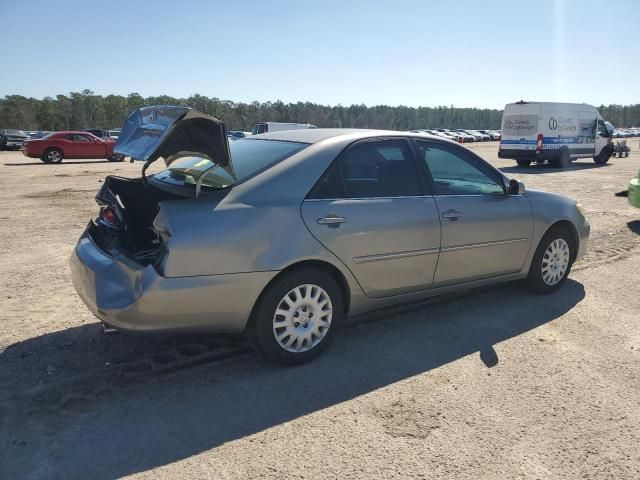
x: 283, y: 235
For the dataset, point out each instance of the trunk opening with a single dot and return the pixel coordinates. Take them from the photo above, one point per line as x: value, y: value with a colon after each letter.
x: 130, y: 231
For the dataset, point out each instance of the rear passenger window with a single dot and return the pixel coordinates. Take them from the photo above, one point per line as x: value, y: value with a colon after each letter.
x: 382, y: 168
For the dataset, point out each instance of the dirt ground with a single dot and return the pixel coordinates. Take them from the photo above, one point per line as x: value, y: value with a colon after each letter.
x: 495, y: 384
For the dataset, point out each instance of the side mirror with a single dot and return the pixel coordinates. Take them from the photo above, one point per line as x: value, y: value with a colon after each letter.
x: 515, y: 187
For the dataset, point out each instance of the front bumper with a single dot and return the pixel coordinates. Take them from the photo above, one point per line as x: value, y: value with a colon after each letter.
x: 136, y: 299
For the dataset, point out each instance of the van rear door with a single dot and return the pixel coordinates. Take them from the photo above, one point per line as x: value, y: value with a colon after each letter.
x: 520, y: 126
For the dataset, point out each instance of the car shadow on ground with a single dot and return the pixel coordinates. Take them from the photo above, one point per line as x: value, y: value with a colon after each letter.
x: 64, y: 162
x: 111, y: 430
x: 546, y: 168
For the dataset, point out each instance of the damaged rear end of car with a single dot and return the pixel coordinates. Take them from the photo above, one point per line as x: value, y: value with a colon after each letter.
x: 118, y: 265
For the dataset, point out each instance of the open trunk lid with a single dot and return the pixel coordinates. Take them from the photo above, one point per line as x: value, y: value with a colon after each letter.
x: 170, y: 132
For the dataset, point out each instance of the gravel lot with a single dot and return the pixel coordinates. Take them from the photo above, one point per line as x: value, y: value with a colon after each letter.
x: 498, y: 383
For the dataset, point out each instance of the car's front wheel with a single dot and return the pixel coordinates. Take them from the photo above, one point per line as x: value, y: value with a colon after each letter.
x: 52, y: 155
x: 552, y: 261
x: 297, y: 317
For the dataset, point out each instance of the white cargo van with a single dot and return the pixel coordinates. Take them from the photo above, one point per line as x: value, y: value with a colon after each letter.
x: 264, y: 127
x: 554, y: 132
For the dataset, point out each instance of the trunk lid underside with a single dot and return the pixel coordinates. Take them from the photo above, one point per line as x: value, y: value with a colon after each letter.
x: 170, y: 132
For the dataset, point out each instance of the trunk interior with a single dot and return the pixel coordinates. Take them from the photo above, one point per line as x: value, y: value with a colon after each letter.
x: 136, y: 206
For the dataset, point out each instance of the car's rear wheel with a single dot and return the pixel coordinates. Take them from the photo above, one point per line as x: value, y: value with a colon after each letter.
x: 116, y: 158
x: 297, y: 317
x: 52, y: 155
x: 523, y: 163
x: 552, y: 261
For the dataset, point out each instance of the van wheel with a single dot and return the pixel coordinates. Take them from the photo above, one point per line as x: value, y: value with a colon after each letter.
x: 564, y: 160
x: 297, y: 317
x: 523, y: 163
x: 552, y: 261
x: 603, y: 156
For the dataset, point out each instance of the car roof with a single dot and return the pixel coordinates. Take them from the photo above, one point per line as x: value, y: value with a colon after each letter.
x: 80, y: 132
x: 315, y: 135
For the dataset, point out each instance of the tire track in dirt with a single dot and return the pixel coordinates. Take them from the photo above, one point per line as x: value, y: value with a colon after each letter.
x: 606, y: 247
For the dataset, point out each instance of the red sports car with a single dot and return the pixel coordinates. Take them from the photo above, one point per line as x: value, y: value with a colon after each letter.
x: 59, y: 145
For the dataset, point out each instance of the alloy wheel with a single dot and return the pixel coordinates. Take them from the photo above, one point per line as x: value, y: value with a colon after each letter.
x: 54, y: 156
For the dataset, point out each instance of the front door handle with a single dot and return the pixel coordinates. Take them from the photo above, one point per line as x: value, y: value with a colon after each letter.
x: 331, y: 220
x: 452, y: 215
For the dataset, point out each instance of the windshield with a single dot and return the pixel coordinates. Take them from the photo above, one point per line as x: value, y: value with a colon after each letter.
x: 249, y: 158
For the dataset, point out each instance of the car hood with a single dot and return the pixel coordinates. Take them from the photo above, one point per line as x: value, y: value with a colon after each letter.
x: 170, y: 132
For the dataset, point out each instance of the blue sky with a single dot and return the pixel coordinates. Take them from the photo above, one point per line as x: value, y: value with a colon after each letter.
x: 462, y: 53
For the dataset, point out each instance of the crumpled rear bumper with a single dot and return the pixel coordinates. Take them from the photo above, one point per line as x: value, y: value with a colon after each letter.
x: 136, y: 299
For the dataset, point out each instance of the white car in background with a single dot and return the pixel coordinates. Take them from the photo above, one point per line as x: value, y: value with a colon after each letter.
x: 483, y: 136
x: 492, y: 134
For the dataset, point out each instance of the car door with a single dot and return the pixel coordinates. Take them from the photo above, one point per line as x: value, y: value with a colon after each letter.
x: 87, y: 146
x: 485, y: 231
x: 370, y: 209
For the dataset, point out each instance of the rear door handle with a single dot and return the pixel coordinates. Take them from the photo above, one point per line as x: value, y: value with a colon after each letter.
x: 452, y: 215
x: 331, y: 220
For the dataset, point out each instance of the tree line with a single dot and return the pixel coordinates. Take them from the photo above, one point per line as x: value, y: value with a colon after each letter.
x: 85, y: 109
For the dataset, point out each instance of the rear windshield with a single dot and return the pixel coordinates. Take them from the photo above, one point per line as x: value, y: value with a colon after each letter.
x: 249, y: 157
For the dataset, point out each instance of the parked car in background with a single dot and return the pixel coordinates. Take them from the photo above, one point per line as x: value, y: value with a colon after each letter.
x: 12, y: 139
x: 555, y: 132
x: 70, y: 144
x: 103, y: 133
x: 477, y: 137
x: 38, y: 133
x: 466, y: 137
x: 283, y: 235
x: 483, y: 136
x: 265, y: 127
x: 455, y: 136
x: 98, y: 132
x: 237, y: 134
x: 491, y: 134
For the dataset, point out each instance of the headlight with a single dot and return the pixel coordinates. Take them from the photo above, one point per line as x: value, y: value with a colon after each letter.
x: 581, y: 209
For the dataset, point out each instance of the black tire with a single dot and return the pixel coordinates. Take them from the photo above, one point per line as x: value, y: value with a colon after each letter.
x: 116, y: 158
x: 52, y: 155
x: 261, y: 332
x: 564, y: 160
x: 535, y: 280
x: 523, y: 163
x: 603, y: 157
